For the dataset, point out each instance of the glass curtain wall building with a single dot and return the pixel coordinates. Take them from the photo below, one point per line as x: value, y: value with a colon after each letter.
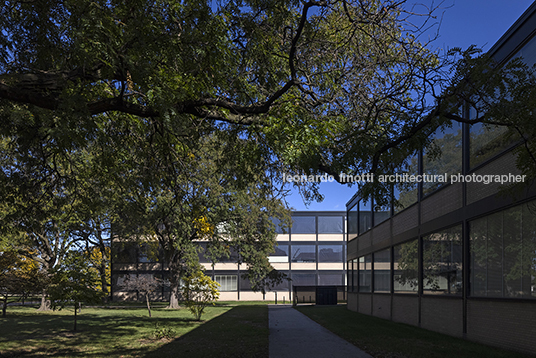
x: 454, y: 258
x: 311, y: 252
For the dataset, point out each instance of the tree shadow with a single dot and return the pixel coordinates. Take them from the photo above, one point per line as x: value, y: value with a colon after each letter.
x: 99, y: 335
x: 240, y: 332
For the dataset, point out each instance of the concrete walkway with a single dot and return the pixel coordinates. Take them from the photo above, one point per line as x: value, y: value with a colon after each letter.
x: 294, y: 335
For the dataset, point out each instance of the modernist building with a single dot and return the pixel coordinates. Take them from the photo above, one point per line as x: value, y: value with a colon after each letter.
x: 311, y: 253
x: 455, y: 258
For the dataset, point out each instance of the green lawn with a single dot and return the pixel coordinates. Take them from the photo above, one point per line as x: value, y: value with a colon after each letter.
x: 382, y: 338
x: 226, y: 330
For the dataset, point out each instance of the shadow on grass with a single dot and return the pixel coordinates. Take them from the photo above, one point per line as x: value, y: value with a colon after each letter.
x: 99, y: 335
x: 240, y: 332
x: 384, y: 338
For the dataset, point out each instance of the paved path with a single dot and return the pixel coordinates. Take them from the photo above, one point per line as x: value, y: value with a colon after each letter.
x: 294, y: 335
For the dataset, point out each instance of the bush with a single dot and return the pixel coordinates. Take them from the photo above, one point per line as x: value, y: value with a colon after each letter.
x: 199, y: 291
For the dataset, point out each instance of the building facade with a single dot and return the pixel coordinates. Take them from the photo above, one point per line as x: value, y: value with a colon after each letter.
x: 310, y: 253
x: 457, y: 258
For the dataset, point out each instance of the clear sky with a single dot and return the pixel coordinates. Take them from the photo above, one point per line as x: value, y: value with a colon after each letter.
x: 463, y: 23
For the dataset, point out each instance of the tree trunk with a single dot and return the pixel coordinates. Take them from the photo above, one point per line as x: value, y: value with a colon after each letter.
x: 102, y: 268
x: 174, y: 299
x: 4, y: 307
x: 148, y: 304
x: 174, y: 280
x: 75, y: 316
x: 45, y: 302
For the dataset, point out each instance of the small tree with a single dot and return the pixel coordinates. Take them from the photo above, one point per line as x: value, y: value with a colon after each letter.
x: 74, y: 283
x: 144, y: 284
x: 198, y: 292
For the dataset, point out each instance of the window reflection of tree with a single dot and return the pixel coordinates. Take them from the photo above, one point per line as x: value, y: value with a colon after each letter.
x: 486, y: 141
x: 406, y: 267
x: 405, y: 193
x: 443, y: 156
x: 442, y: 262
x: 503, y: 253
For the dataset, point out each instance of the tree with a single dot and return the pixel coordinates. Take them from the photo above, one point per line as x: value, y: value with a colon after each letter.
x: 73, y: 284
x: 323, y: 86
x: 305, y: 79
x: 145, y: 284
x: 19, y: 276
x: 199, y: 291
x: 203, y: 198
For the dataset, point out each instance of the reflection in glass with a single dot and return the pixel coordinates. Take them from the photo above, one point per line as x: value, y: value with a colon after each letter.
x: 355, y: 277
x: 503, y: 253
x: 365, y: 273
x: 352, y: 222
x: 280, y: 250
x: 406, y: 267
x: 303, y: 253
x: 406, y: 193
x: 443, y: 157
x: 365, y: 215
x: 442, y: 262
x: 303, y: 225
x: 330, y: 253
x: 330, y: 224
x: 485, y: 141
x: 381, y: 213
x: 301, y: 279
x: 382, y: 271
x: 330, y: 279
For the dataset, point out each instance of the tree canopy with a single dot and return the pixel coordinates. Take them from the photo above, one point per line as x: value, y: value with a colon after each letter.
x: 325, y: 86
x: 188, y: 112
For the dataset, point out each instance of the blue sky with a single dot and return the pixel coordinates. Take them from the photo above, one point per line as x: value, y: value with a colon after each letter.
x: 464, y: 23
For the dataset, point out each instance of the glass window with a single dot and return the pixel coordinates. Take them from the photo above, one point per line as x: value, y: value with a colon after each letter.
x: 303, y: 253
x: 202, y: 256
x: 352, y: 222
x: 330, y: 253
x: 124, y: 252
x: 303, y: 225
x: 303, y: 279
x: 330, y: 279
x: 406, y: 192
x: 148, y: 252
x: 485, y: 142
x: 382, y: 271
x: 406, y: 267
x: 280, y: 254
x: 350, y: 275
x: 227, y: 282
x: 283, y: 285
x: 365, y: 273
x: 280, y: 250
x: 355, y: 277
x: 528, y: 52
x: 330, y: 225
x: 503, y: 253
x: 381, y: 212
x: 278, y: 228
x: 444, y: 156
x: 365, y: 215
x: 442, y: 262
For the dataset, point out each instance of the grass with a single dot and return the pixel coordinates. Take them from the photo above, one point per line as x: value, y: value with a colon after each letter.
x: 236, y: 330
x: 386, y: 339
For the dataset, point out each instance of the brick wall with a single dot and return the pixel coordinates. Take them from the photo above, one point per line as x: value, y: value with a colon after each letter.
x: 406, y: 309
x: 506, y: 324
x: 381, y: 306
x: 444, y: 315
